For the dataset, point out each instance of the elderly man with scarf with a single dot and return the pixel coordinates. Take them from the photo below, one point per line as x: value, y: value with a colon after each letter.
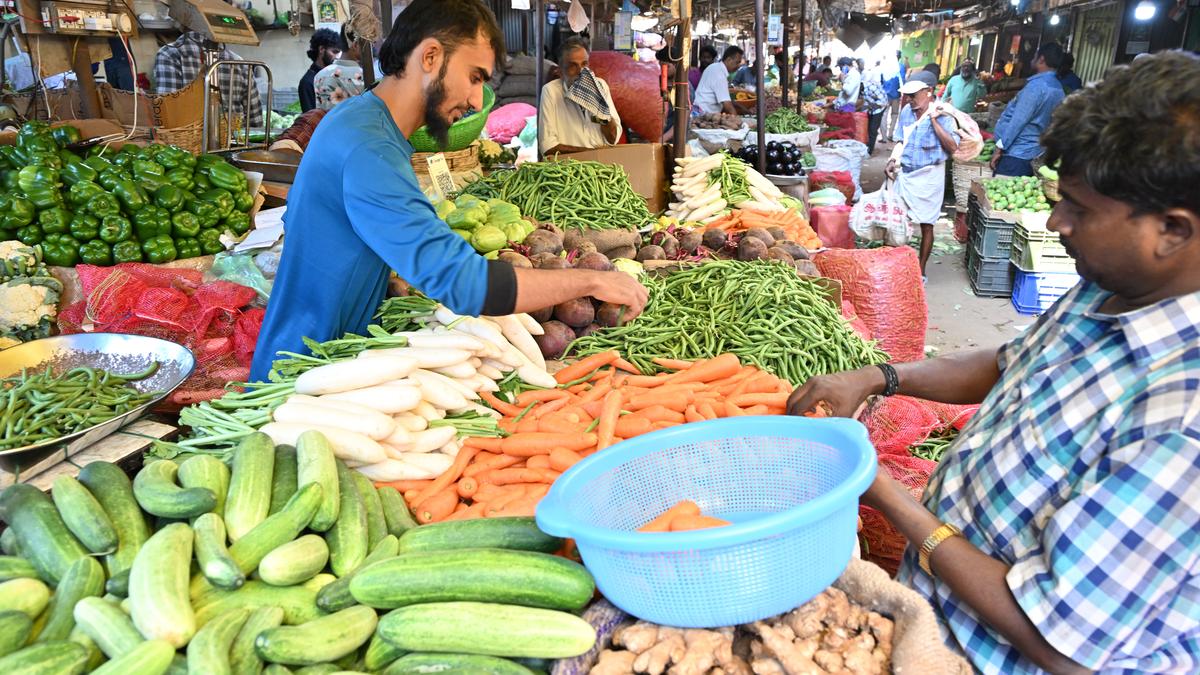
x: 576, y: 113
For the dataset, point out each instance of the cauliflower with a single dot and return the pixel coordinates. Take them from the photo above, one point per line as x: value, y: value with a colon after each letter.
x: 24, y: 306
x: 28, y: 294
x: 14, y: 251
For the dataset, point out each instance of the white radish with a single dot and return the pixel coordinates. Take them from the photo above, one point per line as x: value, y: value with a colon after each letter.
x: 514, y: 331
x: 395, y: 469
x: 530, y: 324
x: 480, y: 328
x: 435, y: 462
x: 499, y: 365
x: 484, y: 383
x: 429, y: 339
x: 347, y: 445
x: 428, y: 411
x: 411, y: 422
x: 475, y: 362
x: 458, y: 371
x: 424, y: 357
x: 431, y: 439
x: 703, y: 165
x: 370, y: 423
x: 451, y: 449
x: 432, y: 384
x: 390, y: 398
x: 482, y: 410
x: 353, y: 374
x: 490, y: 372
x: 400, y: 437
x: 709, y: 210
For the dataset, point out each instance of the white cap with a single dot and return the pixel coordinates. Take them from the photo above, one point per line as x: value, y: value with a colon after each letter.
x: 912, y: 87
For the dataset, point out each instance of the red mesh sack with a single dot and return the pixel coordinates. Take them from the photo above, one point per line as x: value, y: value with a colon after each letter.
x: 842, y: 181
x: 896, y: 423
x: 860, y: 127
x: 841, y: 120
x: 832, y: 225
x: 245, y: 334
x: 951, y: 415
x: 630, y: 82
x: 882, y: 543
x: 885, y: 286
x: 856, y: 323
x: 838, y: 135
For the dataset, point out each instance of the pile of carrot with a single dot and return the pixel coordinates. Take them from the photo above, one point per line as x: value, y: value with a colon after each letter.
x: 601, y: 400
x: 683, y: 517
x: 797, y: 229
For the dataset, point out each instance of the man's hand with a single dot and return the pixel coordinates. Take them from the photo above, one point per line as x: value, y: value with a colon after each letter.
x: 844, y: 392
x: 935, y: 111
x: 890, y: 169
x: 995, y: 158
x: 621, y: 289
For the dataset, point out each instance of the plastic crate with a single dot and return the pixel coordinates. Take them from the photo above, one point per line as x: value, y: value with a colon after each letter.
x: 1034, y: 292
x: 990, y: 277
x: 1034, y: 251
x: 992, y: 237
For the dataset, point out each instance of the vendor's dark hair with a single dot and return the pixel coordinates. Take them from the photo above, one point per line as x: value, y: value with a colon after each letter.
x: 450, y: 22
x: 1135, y: 136
x: 322, y: 37
x: 710, y: 50
x: 1053, y: 53
x: 1064, y: 68
x: 571, y: 44
x: 732, y: 51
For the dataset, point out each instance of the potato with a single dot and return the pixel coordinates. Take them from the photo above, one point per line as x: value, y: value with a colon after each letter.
x: 555, y: 339
x: 714, y: 239
x: 543, y: 241
x: 651, y: 252
x: 761, y: 234
x: 575, y: 313
x: 751, y: 248
x: 515, y: 259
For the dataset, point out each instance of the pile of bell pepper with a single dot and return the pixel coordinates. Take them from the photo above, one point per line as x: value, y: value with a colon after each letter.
x: 488, y: 225
x: 129, y: 204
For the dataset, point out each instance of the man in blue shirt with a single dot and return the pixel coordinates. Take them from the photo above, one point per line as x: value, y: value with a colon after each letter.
x: 1061, y: 530
x: 1028, y: 115
x: 356, y: 212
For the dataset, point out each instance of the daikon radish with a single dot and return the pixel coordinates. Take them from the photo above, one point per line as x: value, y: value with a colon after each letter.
x: 429, y: 411
x: 394, y: 469
x: 348, y: 406
x: 388, y: 398
x: 442, y: 391
x: 400, y: 437
x: 703, y: 165
x: 429, y: 339
x: 490, y: 372
x: 370, y: 423
x: 457, y: 371
x: 530, y: 324
x: 353, y: 374
x: 499, y: 365
x: 435, y: 462
x: 424, y: 357
x: 708, y: 211
x: 347, y: 445
x: 475, y: 362
x: 412, y: 422
x: 484, y: 383
x: 480, y: 328
x: 482, y: 410
x: 431, y: 439
x: 514, y: 331
x: 451, y: 449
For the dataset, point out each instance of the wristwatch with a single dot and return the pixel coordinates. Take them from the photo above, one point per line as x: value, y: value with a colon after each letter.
x: 942, y: 533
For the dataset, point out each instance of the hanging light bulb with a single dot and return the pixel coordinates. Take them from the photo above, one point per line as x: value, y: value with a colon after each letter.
x: 1016, y: 3
x: 1054, y: 20
x: 1145, y: 10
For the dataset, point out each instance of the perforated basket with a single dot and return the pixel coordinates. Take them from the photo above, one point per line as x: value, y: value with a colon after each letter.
x: 462, y: 133
x: 790, y: 485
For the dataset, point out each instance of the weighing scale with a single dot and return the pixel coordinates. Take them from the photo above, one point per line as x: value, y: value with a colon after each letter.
x: 218, y: 20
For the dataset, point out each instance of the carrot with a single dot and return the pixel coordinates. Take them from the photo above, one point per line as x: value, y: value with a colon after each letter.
x: 404, y: 486
x: 707, y: 410
x: 538, y: 462
x: 466, y: 487
x: 725, y: 365
x: 525, y: 507
x: 556, y: 424
x: 671, y: 399
x: 548, y: 407
x: 494, y: 462
x: 585, y: 365
x: 593, y: 408
x: 777, y: 400
x: 507, y: 425
x: 481, y: 443
x: 488, y: 492
x: 609, y: 414
x: 499, y: 406
x: 578, y: 388
x: 696, y: 522
x: 764, y: 383
x: 822, y: 409
x: 658, y: 413
x: 449, y: 476
x: 691, y: 415
x: 475, y: 510
x: 527, y: 475
x: 672, y: 364
x: 645, y: 380
x: 732, y: 410
x: 437, y: 507
x: 662, y: 523
x: 411, y: 497
x: 510, y: 494
x: 622, y: 364
x: 540, y: 396
x: 527, y: 445
x: 596, y: 393
x: 756, y: 410
x: 632, y: 425
x: 562, y: 459
x: 538, y: 490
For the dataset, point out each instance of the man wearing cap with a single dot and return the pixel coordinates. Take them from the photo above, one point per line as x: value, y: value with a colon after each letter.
x: 847, y: 99
x: 925, y: 139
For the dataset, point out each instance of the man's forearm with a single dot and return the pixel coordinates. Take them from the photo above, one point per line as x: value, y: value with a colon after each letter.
x: 612, y: 130
x: 944, y: 137
x: 963, y: 378
x: 538, y: 289
x: 727, y: 108
x: 563, y: 148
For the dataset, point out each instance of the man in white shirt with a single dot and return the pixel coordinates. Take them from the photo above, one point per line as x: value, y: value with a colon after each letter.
x: 712, y: 94
x: 847, y: 99
x: 564, y: 125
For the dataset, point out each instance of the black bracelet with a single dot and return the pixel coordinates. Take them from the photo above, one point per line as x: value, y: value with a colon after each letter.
x: 890, y: 378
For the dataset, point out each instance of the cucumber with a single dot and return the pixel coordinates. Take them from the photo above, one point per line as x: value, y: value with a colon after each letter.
x: 380, y: 653
x: 376, y: 524
x: 42, y: 535
x: 249, y: 499
x: 16, y: 567
x: 46, y: 658
x: 276, y: 669
x: 159, y: 495
x: 294, y: 562
x: 347, y: 538
x: 158, y: 587
x: 243, y: 660
x: 110, y: 628
x: 321, y: 669
x: 15, y: 627
x: 395, y: 511
x: 84, y: 579
x: 513, y: 533
x: 111, y: 487
x: 336, y: 596
x: 325, y: 639
x: 488, y: 629
x: 84, y: 516
x: 8, y: 542
x: 284, y: 479
x: 215, y: 562
x: 277, y: 529
x: 299, y: 603
x: 95, y: 656
x: 118, y: 585
x: 496, y: 575
x: 152, y: 657
x: 421, y: 664
x: 315, y: 463
x: 30, y: 596
x: 178, y: 665
x: 208, y: 652
x: 206, y: 471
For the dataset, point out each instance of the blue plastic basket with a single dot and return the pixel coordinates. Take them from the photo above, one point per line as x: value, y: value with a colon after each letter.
x: 790, y: 485
x: 1035, y: 292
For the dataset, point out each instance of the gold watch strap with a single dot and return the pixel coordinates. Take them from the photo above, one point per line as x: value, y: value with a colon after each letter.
x: 942, y: 533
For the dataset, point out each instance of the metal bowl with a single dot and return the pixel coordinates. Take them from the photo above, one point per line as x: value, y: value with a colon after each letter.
x: 111, y: 351
x: 275, y: 165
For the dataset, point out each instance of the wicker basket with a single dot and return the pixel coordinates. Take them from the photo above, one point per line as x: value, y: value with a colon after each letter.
x: 190, y: 137
x: 457, y: 160
x: 966, y: 173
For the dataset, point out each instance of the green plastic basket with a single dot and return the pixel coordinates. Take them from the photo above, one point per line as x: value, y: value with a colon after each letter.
x: 462, y: 133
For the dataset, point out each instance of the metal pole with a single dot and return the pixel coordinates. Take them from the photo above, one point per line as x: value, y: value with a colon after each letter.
x: 803, y: 53
x: 785, y: 73
x: 682, y: 100
x: 366, y: 59
x: 761, y: 104
x: 539, y: 48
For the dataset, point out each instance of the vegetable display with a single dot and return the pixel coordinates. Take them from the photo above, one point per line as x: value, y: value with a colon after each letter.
x: 28, y: 294
x: 783, y: 158
x: 764, y: 313
x: 569, y: 193
x: 786, y: 121
x: 487, y: 225
x: 43, y: 406
x: 706, y: 188
x: 154, y: 204
x: 1023, y: 193
x: 989, y: 149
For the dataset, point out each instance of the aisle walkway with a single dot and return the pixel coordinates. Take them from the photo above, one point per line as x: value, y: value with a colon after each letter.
x: 958, y: 320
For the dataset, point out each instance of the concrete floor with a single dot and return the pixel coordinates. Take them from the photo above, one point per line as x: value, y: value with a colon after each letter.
x: 958, y: 319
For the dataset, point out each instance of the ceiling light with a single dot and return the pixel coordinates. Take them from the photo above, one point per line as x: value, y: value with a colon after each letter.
x: 1054, y: 20
x: 1145, y: 10
x: 1016, y: 3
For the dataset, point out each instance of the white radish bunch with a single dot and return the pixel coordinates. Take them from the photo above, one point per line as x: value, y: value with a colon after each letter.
x: 697, y: 189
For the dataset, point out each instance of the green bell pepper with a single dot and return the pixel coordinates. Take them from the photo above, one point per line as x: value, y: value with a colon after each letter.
x: 37, y: 145
x: 210, y: 241
x: 38, y: 176
x: 201, y: 182
x: 103, y: 205
x: 131, y: 196
x: 173, y: 157
x: 10, y: 180
x: 122, y: 160
x: 181, y: 178
x: 61, y: 250
x: 30, y: 235
x: 227, y: 176
x: 56, y: 220
x: 169, y: 197
x: 243, y: 201
x: 205, y: 212
x: 68, y: 157
x: 142, y: 167
x: 20, y: 212
x: 115, y: 229
x: 84, y: 227
x: 44, y: 197
x: 126, y: 251
x: 221, y: 198
x: 160, y: 249
x: 184, y: 224
x: 98, y: 164
x: 95, y: 252
x: 150, y: 182
x: 188, y: 247
x: 49, y: 160
x: 110, y: 177
x: 66, y: 135
x: 152, y: 221
x: 206, y: 162
x: 77, y: 172
x: 238, y: 223
x: 11, y: 157
x: 82, y: 192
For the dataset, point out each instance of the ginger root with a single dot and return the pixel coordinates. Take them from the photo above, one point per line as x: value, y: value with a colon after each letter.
x: 669, y: 649
x: 614, y: 663
x: 637, y: 638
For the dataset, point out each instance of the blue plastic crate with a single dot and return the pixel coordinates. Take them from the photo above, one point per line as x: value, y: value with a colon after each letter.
x: 1034, y: 292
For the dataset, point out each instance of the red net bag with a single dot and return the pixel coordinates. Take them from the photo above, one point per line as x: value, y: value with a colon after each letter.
x: 841, y: 181
x: 856, y: 323
x: 841, y: 120
x: 860, y: 127
x: 897, y: 423
x: 882, y: 543
x: 245, y: 334
x: 885, y: 286
x: 832, y: 225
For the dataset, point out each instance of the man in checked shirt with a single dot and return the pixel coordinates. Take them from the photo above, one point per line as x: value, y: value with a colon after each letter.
x: 1061, y: 530
x: 178, y: 64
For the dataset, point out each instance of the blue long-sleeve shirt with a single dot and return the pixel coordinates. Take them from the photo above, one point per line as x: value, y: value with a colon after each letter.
x: 356, y: 212
x: 1027, y: 116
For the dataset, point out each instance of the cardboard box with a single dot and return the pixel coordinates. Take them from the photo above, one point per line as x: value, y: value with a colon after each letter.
x: 168, y: 111
x: 646, y: 164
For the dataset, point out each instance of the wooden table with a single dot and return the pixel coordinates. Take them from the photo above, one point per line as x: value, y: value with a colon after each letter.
x: 122, y: 447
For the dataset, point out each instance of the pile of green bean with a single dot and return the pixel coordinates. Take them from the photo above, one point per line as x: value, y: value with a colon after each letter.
x: 43, y: 406
x: 568, y: 193
x: 735, y: 187
x: 934, y: 447
x: 761, y: 311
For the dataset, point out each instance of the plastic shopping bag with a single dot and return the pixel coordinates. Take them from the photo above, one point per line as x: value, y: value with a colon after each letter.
x: 881, y: 216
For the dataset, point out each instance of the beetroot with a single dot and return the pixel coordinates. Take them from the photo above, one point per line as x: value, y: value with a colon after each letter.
x: 670, y: 247
x: 609, y: 314
x: 690, y: 242
x: 714, y: 239
x: 575, y: 313
x: 651, y: 252
x: 778, y: 232
x: 543, y: 241
x: 793, y: 249
x: 751, y: 248
x: 554, y: 341
x: 777, y: 253
x: 515, y: 259
x: 549, y: 261
x: 543, y: 315
x: 760, y: 234
x: 586, y: 330
x: 594, y: 261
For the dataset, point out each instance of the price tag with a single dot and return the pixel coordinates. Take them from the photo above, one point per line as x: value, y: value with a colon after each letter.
x: 439, y: 173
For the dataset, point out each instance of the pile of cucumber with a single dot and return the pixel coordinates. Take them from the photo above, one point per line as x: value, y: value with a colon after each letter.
x: 286, y: 561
